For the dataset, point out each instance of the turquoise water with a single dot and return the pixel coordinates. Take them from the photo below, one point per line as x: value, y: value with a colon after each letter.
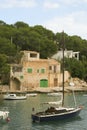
x: 20, y: 114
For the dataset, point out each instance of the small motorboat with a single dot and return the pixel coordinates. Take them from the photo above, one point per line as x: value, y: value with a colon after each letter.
x: 31, y: 94
x: 14, y: 97
x: 4, y: 115
x: 54, y: 94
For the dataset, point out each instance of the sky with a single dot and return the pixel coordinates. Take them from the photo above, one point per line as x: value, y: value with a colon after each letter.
x: 56, y: 15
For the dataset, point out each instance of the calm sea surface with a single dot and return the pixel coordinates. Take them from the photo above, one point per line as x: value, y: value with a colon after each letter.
x: 20, y: 114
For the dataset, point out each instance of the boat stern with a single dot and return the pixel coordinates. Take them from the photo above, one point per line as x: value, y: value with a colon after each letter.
x: 35, y: 118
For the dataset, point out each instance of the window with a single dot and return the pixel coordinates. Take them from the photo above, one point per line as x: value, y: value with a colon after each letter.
x: 55, y: 69
x: 21, y: 77
x: 42, y: 70
x: 33, y: 55
x: 29, y: 70
x: 50, y: 67
x: 37, y: 70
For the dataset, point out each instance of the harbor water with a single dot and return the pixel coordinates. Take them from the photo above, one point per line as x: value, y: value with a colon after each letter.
x: 20, y: 114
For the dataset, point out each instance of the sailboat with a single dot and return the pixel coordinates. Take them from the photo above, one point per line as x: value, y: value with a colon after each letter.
x: 60, y: 112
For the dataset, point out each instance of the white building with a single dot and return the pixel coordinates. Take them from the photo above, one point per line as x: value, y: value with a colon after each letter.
x: 67, y: 54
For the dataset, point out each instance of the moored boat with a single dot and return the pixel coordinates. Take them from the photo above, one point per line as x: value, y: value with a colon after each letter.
x: 14, y: 97
x: 4, y: 115
x: 54, y: 94
x: 31, y: 94
x: 58, y: 114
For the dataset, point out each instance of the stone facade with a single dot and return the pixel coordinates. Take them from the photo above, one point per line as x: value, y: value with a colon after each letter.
x: 34, y: 72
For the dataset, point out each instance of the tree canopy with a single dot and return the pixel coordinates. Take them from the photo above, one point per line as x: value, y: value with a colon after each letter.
x: 20, y: 36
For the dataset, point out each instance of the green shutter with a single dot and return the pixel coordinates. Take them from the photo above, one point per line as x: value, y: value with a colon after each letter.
x: 42, y: 70
x: 43, y: 83
x: 29, y: 70
x: 37, y: 70
x: 21, y: 77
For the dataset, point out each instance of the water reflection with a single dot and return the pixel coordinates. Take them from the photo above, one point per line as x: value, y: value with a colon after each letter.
x: 56, y: 125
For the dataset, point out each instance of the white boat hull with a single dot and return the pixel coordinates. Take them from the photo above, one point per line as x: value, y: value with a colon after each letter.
x: 14, y: 97
x: 4, y: 116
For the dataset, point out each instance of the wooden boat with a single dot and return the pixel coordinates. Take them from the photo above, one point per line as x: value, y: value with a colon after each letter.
x: 14, y: 97
x: 60, y: 112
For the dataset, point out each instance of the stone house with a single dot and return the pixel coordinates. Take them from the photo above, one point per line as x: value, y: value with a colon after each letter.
x: 34, y: 72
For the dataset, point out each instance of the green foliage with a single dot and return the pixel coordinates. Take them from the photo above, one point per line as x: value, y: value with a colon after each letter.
x: 75, y: 67
x: 20, y: 36
x: 20, y: 24
x: 4, y: 69
x: 45, y: 33
x: 6, y: 47
x: 5, y: 72
x: 2, y: 22
x: 3, y: 60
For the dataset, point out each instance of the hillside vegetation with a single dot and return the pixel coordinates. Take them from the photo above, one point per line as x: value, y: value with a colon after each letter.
x: 20, y: 36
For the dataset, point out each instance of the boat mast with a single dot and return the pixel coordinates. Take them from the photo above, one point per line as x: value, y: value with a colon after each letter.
x: 63, y: 48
